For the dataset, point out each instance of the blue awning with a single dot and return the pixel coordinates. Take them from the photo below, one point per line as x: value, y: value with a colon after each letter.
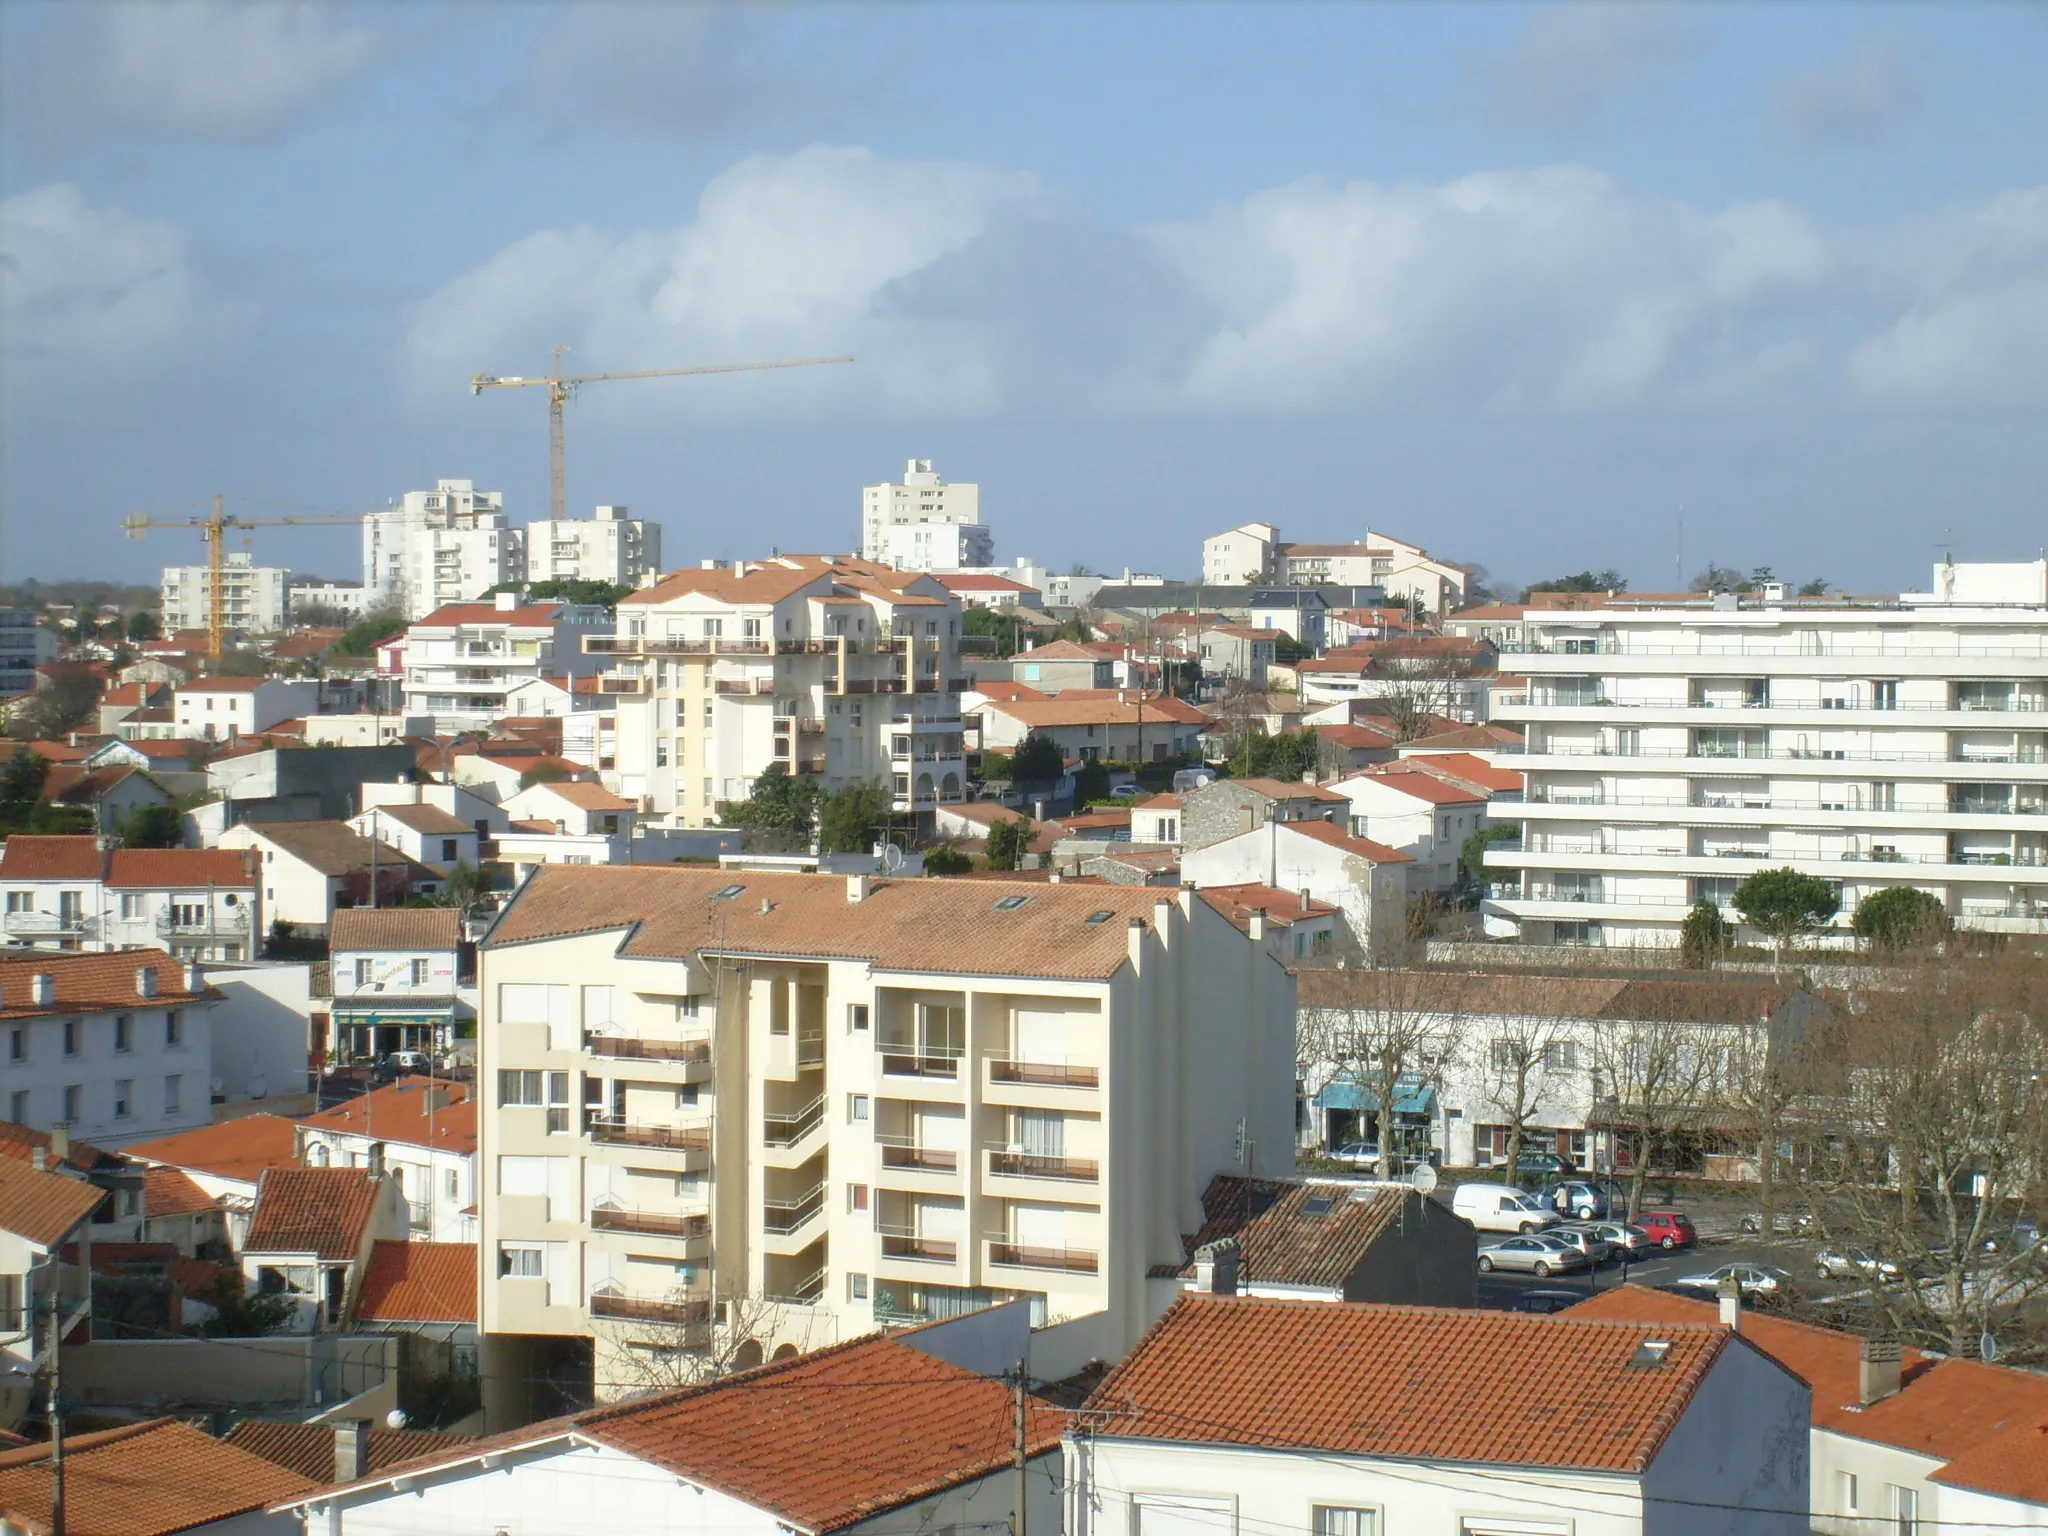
x: 1413, y: 1095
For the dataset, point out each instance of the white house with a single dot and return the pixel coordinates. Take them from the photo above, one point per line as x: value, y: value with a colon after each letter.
x: 573, y: 806
x: 1426, y: 816
x: 396, y: 973
x: 1126, y: 726
x: 310, y: 1238
x: 199, y: 903
x: 226, y: 1161
x: 422, y: 1133
x: 463, y: 659
x: 1364, y: 880
x: 423, y: 832
x: 114, y: 1047
x: 1238, y: 1414
x: 312, y: 868
x: 222, y: 708
x: 39, y: 1213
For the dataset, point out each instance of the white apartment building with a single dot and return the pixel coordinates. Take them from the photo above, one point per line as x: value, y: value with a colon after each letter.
x: 1674, y: 748
x: 924, y: 501
x: 463, y: 659
x: 40, y: 1212
x: 257, y: 597
x: 448, y: 545
x: 825, y: 1102
x: 223, y: 708
x: 115, y: 1047
x: 836, y: 668
x: 1253, y: 554
x: 72, y: 893
x: 347, y: 598
x: 607, y: 546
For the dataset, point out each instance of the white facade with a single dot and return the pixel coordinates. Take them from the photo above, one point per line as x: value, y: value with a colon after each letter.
x: 1419, y: 815
x: 607, y: 546
x: 1371, y: 892
x: 1240, y: 557
x: 448, y: 545
x: 256, y: 600
x: 221, y: 708
x: 463, y: 660
x: 937, y: 546
x: 348, y: 598
x: 922, y: 499
x: 1673, y: 750
x: 438, y: 1182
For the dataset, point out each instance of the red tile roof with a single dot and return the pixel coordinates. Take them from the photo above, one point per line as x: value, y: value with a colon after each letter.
x: 961, y: 581
x: 1237, y: 902
x: 1063, y: 711
x: 419, y: 1111
x: 419, y: 1283
x: 452, y: 614
x: 395, y: 928
x: 2011, y: 1465
x: 1283, y: 1240
x: 181, y: 868
x: 225, y: 684
x: 90, y: 983
x: 1473, y: 770
x: 321, y: 1211
x: 308, y: 1449
x: 147, y: 1479
x: 1356, y: 737
x: 1415, y: 1383
x: 171, y: 1192
x: 237, y: 1149
x: 1329, y: 832
x: 27, y: 857
x: 76, y: 784
x: 585, y: 796
x: 1418, y: 785
x: 1002, y: 690
x: 42, y: 1207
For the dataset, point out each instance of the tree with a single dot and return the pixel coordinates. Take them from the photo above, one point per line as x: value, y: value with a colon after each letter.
x: 545, y: 773
x: 362, y: 637
x: 240, y: 663
x: 1781, y: 904
x: 1091, y: 783
x: 778, y: 815
x: 853, y: 819
x: 996, y: 767
x: 466, y: 889
x: 68, y: 702
x: 1528, y: 1044
x: 153, y: 826
x: 1006, y: 630
x: 1472, y: 852
x: 1008, y: 841
x: 567, y: 589
x: 1417, y: 680
x: 21, y: 787
x: 1818, y: 587
x: 946, y: 860
x: 240, y: 1314
x: 1389, y: 1030
x: 1901, y: 917
x: 1704, y: 936
x: 1037, y: 760
x: 1609, y: 580
x: 1657, y: 1067
x: 144, y: 625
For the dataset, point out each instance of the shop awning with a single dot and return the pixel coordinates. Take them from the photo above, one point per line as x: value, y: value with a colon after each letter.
x: 1413, y: 1095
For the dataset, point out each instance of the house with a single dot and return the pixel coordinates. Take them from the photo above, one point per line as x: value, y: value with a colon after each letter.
x: 224, y: 1162
x: 863, y: 1438
x: 424, y: 833
x: 985, y: 589
x: 310, y: 1237
x: 1347, y: 747
x: 174, y: 754
x: 1469, y: 770
x: 1156, y: 820
x: 576, y: 809
x: 52, y: 890
x: 1238, y: 653
x: 427, y: 1291
x: 463, y: 660
x: 420, y: 1132
x: 148, y: 1479
x: 1296, y: 612
x: 1226, y: 807
x: 40, y: 1213
x: 312, y: 869
x: 1125, y: 728
x: 1293, y: 925
x: 113, y: 1047
x: 1412, y: 676
x: 1348, y: 1419
x: 112, y: 793
x: 1480, y: 740
x: 223, y: 708
x: 1498, y: 624
x: 199, y: 903
x: 1331, y: 1240
x: 1427, y: 816
x: 1363, y: 879
x: 1047, y: 670
x: 367, y: 728
x: 119, y: 1216
x: 1900, y: 1440
x: 301, y: 782
x: 396, y: 972
x: 474, y: 809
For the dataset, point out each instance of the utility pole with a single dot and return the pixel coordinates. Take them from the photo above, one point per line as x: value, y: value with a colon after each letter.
x: 55, y: 1411
x: 1016, y: 1525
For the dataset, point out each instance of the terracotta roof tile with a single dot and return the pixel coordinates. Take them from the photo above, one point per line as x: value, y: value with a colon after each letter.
x: 308, y: 1449
x: 1002, y: 690
x: 428, y: 820
x: 381, y: 928
x: 1294, y: 1232
x: 21, y: 1143
x: 225, y: 684
x: 144, y: 1480
x: 335, y: 848
x: 2012, y: 1465
x: 1062, y: 711
x: 542, y: 615
x: 1407, y: 1382
x: 1284, y: 908
x: 586, y: 796
x: 180, y: 868
x: 419, y: 1283
x: 321, y: 1211
x: 1472, y: 770
x: 769, y: 583
x: 171, y: 1192
x: 27, y: 857
x: 76, y: 784
x: 1418, y: 785
x: 43, y: 1207
x: 237, y: 1149
x: 419, y: 1111
x: 1284, y: 789
x: 88, y: 982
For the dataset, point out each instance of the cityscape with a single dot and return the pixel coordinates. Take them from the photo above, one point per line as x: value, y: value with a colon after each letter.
x: 1291, y: 919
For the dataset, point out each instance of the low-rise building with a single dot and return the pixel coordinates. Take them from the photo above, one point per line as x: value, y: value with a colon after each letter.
x: 463, y: 659
x: 1227, y: 807
x: 1238, y: 653
x: 1364, y: 880
x: 112, y: 794
x: 1124, y: 727
x: 422, y: 1133
x: 225, y: 1161
x: 198, y: 903
x: 1293, y: 925
x: 224, y: 708
x: 310, y: 1238
x: 985, y: 589
x: 1425, y: 815
x: 397, y: 973
x: 576, y: 809
x: 426, y: 1290
x: 421, y: 831
x: 312, y: 869
x: 139, y: 1479
x: 40, y: 1213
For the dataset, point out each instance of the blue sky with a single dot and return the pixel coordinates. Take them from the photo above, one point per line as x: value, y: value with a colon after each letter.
x: 1531, y: 284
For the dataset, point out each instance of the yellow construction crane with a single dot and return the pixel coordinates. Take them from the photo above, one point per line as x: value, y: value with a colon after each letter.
x: 214, y: 529
x: 560, y: 387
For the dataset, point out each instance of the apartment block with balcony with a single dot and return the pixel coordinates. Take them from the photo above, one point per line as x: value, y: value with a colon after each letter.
x: 72, y: 892
x: 254, y: 598
x: 448, y: 545
x: 840, y: 669
x: 462, y: 660
x: 607, y: 546
x: 1673, y: 749
x: 798, y: 1106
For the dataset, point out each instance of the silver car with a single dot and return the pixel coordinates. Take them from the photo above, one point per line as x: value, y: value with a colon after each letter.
x: 1853, y: 1263
x: 1586, y: 1238
x: 1536, y: 1254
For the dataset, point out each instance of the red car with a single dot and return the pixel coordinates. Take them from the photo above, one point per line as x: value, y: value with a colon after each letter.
x: 1668, y: 1229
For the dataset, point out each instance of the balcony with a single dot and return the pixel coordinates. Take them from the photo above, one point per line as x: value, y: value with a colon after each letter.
x: 186, y: 923
x: 1073, y: 1261
x: 643, y: 1309
x: 611, y: 682
x: 812, y: 765
x: 782, y: 1218
x: 1008, y: 1163
x: 1044, y: 1074
x: 610, y: 1130
x: 65, y: 923
x: 649, y: 1223
x: 743, y: 687
x: 904, y: 1155
x: 906, y: 1243
x: 672, y: 645
x: 629, y: 1048
x: 906, y: 1058
x: 788, y: 1128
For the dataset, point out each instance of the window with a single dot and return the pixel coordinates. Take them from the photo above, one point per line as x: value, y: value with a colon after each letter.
x: 316, y: 1154
x: 518, y: 1089
x: 71, y: 1037
x: 447, y: 850
x: 454, y: 1185
x: 1849, y: 1500
x: 661, y: 751
x: 558, y: 1103
x: 1905, y: 1511
x: 419, y: 973
x: 132, y: 907
x: 856, y: 1019
x: 74, y: 1099
x: 17, y: 1046
x: 856, y: 1287
x: 856, y: 1107
x: 362, y: 973
x: 17, y: 1106
x: 713, y: 628
x: 708, y: 706
x: 124, y: 1095
x: 174, y: 1093
x: 519, y: 1261
x: 174, y: 1028
x: 21, y: 901
x: 686, y: 1008
x: 1561, y: 1056
x: 1331, y: 1520
x: 124, y: 1030
x: 856, y: 1197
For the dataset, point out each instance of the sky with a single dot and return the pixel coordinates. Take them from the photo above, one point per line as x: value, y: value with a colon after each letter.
x: 1543, y: 288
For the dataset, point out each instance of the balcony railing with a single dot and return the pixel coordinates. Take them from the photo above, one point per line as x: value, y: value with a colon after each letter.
x: 234, y: 920
x: 1007, y: 1163
x: 743, y: 686
x: 783, y: 1217
x: 1073, y: 1261
x: 643, y: 1309
x: 672, y: 645
x: 903, y: 1153
x: 905, y: 1243
x: 629, y: 1048
x: 788, y: 1128
x: 1044, y: 1074
x: 908, y: 1059
x: 649, y: 1223
x: 47, y: 922
x: 611, y: 1130
x: 802, y: 1293
x: 611, y: 682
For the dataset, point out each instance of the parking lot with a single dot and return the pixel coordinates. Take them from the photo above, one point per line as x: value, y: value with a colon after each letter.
x: 1499, y: 1290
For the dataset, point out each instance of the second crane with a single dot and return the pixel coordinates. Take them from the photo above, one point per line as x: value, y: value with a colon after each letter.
x: 561, y: 386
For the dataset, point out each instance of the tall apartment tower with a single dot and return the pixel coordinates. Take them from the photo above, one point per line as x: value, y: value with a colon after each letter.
x: 1674, y: 748
x: 609, y: 546
x: 924, y: 524
x: 256, y: 596
x: 448, y: 545
x: 795, y: 1107
x: 841, y: 669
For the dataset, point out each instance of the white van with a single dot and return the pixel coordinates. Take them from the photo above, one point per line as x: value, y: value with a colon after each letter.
x: 1501, y: 1208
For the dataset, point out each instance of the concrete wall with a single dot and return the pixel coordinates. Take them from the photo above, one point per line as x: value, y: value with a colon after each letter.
x: 262, y: 1030
x: 1736, y: 1461
x: 308, y: 1370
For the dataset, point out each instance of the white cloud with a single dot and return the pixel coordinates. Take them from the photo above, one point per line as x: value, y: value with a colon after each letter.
x: 971, y: 291
x: 1862, y: 100
x: 197, y: 69
x: 1569, y: 61
x: 89, y: 289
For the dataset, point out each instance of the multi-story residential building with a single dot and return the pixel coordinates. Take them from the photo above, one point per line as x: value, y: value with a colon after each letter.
x: 1674, y: 748
x: 222, y: 708
x: 1426, y: 816
x: 824, y: 1102
x: 420, y: 1132
x: 924, y: 501
x: 73, y: 893
x: 114, y: 1047
x: 939, y: 547
x: 255, y: 599
x: 608, y: 546
x: 461, y: 660
x: 1253, y: 554
x: 308, y: 597
x: 448, y: 545
x: 40, y: 1213
x: 841, y: 669
x: 24, y: 646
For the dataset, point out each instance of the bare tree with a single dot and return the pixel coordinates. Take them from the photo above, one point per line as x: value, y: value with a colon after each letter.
x: 1386, y: 1029
x: 699, y: 1341
x: 1417, y: 680
x: 1522, y: 1050
x: 1759, y: 1075
x: 1658, y: 1066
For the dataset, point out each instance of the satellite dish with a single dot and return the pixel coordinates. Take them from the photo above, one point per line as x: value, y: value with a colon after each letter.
x: 395, y: 1418
x: 892, y: 858
x: 1422, y: 1179
x: 1987, y: 1346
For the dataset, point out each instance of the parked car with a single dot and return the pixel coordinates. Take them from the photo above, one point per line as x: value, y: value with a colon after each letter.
x: 1536, y: 1300
x: 1783, y: 1223
x: 1628, y: 1241
x: 1540, y: 1165
x: 396, y: 1064
x: 1540, y: 1255
x: 1126, y: 791
x: 1853, y: 1263
x: 1185, y: 779
x: 1755, y: 1279
x: 1668, y: 1229
x: 1500, y: 1208
x: 1357, y: 1154
x: 1581, y: 1199
x: 1582, y: 1237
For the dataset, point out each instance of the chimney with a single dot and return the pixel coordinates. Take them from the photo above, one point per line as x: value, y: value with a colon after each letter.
x: 376, y: 1169
x: 195, y: 978
x: 1134, y: 936
x: 60, y: 1144
x: 1877, y: 1369
x: 856, y: 889
x: 1055, y: 877
x: 1730, y: 1292
x: 351, y: 1450
x: 145, y: 981
x: 1257, y: 925
x: 1305, y: 900
x: 1216, y: 1268
x: 42, y: 989
x: 39, y: 1160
